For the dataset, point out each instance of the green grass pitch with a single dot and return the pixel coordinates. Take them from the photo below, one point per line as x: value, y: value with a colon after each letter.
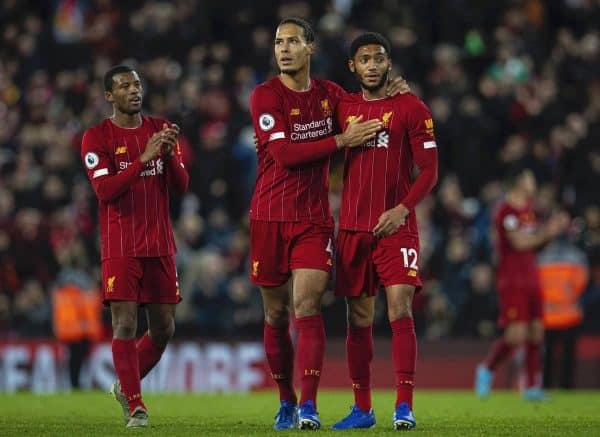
x: 438, y: 413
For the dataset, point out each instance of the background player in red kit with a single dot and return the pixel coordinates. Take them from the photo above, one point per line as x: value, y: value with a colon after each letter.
x: 378, y: 240
x: 131, y: 161
x: 518, y: 237
x: 291, y: 227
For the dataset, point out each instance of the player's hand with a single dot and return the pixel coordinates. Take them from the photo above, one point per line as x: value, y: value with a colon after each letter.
x: 255, y: 139
x: 358, y: 132
x: 397, y: 85
x: 153, y: 148
x: 169, y: 136
x: 390, y: 221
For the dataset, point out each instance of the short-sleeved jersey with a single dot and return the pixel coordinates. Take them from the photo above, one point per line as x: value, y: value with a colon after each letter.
x: 515, y: 266
x: 135, y: 223
x: 378, y: 174
x: 297, y: 194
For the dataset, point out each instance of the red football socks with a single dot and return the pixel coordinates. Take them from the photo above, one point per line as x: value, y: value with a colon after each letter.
x: 499, y: 351
x: 311, y: 350
x: 359, y: 350
x: 532, y: 364
x: 280, y: 356
x: 125, y: 359
x: 148, y: 354
x: 404, y: 354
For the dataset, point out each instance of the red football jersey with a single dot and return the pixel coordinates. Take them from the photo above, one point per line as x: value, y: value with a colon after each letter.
x: 515, y: 266
x: 133, y: 199
x: 285, y: 121
x: 378, y: 174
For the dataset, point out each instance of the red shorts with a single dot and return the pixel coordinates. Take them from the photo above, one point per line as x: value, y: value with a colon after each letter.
x: 142, y: 280
x: 519, y: 303
x: 277, y: 248
x: 363, y: 262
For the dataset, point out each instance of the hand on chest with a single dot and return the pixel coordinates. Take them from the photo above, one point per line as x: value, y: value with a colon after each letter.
x: 389, y: 130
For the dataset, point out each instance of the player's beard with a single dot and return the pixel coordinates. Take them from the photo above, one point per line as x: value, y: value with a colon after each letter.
x: 289, y: 71
x: 133, y: 111
x: 376, y: 87
x: 129, y: 110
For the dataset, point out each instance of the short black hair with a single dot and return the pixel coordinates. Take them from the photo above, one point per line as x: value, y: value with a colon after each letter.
x: 369, y: 38
x: 108, y: 76
x: 309, y: 35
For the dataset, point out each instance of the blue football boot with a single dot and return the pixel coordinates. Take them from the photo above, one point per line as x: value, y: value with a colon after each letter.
x: 287, y: 417
x: 356, y: 419
x: 484, y: 379
x: 403, y: 417
x: 308, y: 418
x: 535, y: 394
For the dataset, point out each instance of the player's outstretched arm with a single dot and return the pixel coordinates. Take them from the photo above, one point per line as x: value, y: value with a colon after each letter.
x: 555, y: 225
x: 292, y: 155
x: 272, y: 132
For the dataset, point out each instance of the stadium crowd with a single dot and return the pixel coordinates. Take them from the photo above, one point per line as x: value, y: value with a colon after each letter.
x: 508, y: 82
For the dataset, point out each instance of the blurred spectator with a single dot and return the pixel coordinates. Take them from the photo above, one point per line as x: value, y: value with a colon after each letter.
x: 76, y: 318
x: 563, y: 278
x: 477, y: 316
x: 31, y: 310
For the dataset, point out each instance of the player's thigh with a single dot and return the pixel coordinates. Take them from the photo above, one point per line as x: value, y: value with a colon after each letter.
x: 269, y: 257
x: 310, y: 246
x: 355, y: 273
x: 536, y: 308
x: 159, y: 281
x: 276, y: 304
x: 396, y: 259
x: 121, y: 279
x: 513, y: 304
x: 516, y: 332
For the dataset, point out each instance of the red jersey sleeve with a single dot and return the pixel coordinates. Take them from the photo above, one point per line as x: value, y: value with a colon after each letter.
x: 177, y: 175
x: 107, y: 183
x: 424, y: 150
x: 272, y: 131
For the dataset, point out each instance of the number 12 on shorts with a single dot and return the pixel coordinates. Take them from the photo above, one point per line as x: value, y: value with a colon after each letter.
x: 410, y: 257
